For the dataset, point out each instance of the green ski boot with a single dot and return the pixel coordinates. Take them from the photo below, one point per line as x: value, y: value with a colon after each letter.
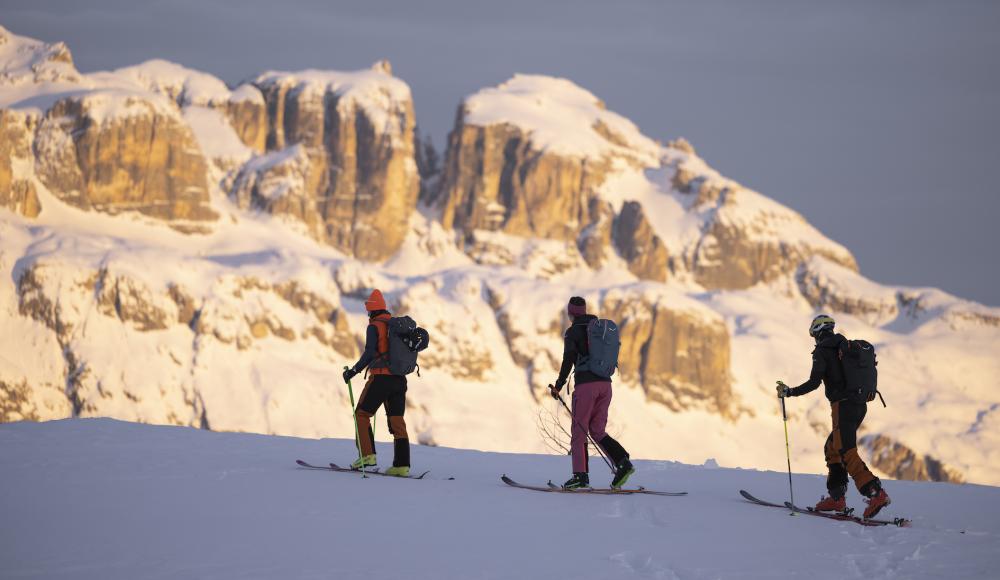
x: 366, y: 461
x: 578, y: 480
x: 625, y: 470
x: 401, y: 471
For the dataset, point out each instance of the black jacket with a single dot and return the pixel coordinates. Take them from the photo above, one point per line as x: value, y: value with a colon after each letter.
x: 827, y: 368
x: 574, y: 346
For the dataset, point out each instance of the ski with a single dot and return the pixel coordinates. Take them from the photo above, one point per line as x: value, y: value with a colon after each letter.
x: 746, y: 495
x: 553, y: 488
x: 372, y: 471
x: 844, y: 517
x: 336, y: 467
x: 301, y: 463
x: 849, y: 516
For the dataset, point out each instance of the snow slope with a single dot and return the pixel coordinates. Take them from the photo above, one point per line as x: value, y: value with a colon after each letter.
x: 98, y: 498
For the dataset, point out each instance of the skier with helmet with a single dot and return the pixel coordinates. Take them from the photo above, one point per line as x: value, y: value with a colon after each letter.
x: 841, y: 450
x: 591, y: 398
x: 382, y: 387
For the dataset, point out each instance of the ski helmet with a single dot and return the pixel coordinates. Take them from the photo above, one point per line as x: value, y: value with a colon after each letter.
x: 821, y: 324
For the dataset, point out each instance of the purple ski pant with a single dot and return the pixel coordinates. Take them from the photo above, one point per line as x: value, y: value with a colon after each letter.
x: 590, y: 410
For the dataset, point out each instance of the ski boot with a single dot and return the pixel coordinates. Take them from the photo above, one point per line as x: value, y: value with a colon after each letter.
x: 398, y: 471
x: 831, y: 504
x: 624, y: 471
x: 876, y: 502
x: 577, y: 481
x: 362, y: 462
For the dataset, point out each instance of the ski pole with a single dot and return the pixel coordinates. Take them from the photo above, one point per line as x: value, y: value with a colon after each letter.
x: 788, y: 453
x: 357, y: 432
x: 586, y: 432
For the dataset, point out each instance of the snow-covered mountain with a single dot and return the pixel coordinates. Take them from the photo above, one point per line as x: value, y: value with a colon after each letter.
x: 102, y: 499
x: 178, y: 251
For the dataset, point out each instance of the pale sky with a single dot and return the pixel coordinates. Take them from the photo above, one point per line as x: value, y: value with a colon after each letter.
x: 878, y: 121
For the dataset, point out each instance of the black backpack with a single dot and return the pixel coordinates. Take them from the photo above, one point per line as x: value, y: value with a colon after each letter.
x: 406, y: 340
x: 860, y: 370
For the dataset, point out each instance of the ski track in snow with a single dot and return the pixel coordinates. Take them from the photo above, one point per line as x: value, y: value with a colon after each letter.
x: 99, y: 498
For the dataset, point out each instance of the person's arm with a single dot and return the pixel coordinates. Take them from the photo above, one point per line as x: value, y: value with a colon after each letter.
x: 568, y: 360
x: 371, y: 350
x: 815, y: 377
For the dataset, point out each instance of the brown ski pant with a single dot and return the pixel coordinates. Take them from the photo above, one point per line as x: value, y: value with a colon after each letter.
x: 841, y: 449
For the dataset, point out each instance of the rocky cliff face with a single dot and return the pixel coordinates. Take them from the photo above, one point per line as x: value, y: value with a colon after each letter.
x: 243, y: 107
x: 539, y: 157
x: 156, y: 137
x: 900, y: 462
x: 746, y: 238
x: 114, y: 151
x: 358, y: 177
x: 16, y: 193
x: 495, y: 180
x: 160, y: 380
x: 679, y: 355
x: 831, y: 287
x: 638, y: 244
x: 542, y: 178
x: 247, y: 112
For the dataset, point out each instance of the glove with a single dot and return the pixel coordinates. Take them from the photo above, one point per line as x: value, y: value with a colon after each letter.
x: 349, y: 374
x: 554, y: 391
x: 783, y: 390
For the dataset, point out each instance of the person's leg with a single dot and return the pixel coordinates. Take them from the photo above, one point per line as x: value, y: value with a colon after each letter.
x: 372, y: 397
x: 395, y: 407
x: 851, y: 415
x: 599, y: 423
x: 584, y: 397
x: 836, y: 479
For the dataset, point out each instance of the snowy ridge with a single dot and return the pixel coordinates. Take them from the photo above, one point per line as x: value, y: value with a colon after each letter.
x: 560, y: 117
x: 25, y: 60
x: 375, y: 90
x: 180, y: 84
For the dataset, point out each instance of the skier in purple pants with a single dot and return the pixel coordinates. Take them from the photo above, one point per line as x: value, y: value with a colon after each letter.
x: 591, y: 399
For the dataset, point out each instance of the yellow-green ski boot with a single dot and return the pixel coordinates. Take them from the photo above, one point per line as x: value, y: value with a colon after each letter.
x: 624, y: 471
x: 366, y: 461
x: 401, y: 471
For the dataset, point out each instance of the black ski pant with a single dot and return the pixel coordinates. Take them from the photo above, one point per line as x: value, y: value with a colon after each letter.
x: 841, y: 450
x: 388, y: 390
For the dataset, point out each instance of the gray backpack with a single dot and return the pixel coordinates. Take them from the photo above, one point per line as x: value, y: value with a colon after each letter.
x: 603, y: 344
x: 406, y: 340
